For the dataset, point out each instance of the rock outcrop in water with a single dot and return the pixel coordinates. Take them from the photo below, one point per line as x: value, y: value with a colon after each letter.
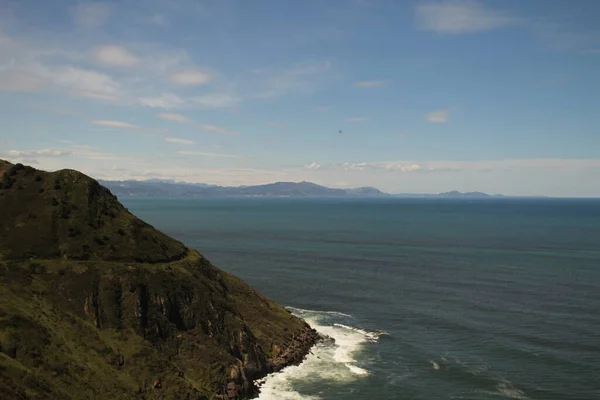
x: 97, y: 304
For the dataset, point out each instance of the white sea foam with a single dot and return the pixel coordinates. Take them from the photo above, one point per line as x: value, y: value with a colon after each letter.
x: 330, y: 360
x: 371, y: 336
x: 302, y: 311
x: 507, y: 389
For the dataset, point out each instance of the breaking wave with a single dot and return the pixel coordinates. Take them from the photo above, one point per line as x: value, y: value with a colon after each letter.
x: 332, y: 360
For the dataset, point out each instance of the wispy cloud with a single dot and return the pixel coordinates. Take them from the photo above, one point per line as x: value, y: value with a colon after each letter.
x: 173, y: 117
x: 401, y: 166
x: 206, y: 127
x: 142, y: 74
x: 73, y: 151
x: 205, y: 154
x: 313, y: 165
x: 216, y: 129
x: 371, y: 84
x: 451, y: 166
x: 23, y: 74
x: 438, y: 116
x: 190, y: 77
x: 114, y: 124
x: 86, y: 83
x: 215, y: 100
x: 114, y: 56
x: 39, y: 153
x: 460, y: 17
x: 166, y: 101
x: 179, y: 140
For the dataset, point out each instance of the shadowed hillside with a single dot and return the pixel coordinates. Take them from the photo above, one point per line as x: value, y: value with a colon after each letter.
x: 69, y: 215
x: 97, y: 304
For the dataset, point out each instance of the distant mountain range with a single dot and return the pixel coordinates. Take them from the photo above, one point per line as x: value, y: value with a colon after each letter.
x: 168, y: 188
x: 172, y: 188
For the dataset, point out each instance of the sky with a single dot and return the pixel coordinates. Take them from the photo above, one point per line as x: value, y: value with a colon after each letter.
x: 419, y: 96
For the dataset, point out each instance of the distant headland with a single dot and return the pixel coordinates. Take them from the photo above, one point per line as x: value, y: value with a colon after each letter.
x: 171, y: 188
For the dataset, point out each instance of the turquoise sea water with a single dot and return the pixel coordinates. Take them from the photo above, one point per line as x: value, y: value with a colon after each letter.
x: 425, y: 298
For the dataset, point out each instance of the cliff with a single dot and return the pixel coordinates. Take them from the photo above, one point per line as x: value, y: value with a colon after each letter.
x: 97, y: 304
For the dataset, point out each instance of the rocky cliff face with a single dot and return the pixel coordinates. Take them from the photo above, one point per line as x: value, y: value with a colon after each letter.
x: 120, y: 310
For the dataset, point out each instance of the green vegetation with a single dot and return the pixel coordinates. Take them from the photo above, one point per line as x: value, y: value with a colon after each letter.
x: 69, y: 215
x: 96, y: 304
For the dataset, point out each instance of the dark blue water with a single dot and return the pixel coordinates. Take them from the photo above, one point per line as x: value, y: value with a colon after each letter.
x: 427, y: 298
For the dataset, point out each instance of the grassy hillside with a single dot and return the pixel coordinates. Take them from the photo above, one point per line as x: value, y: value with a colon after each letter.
x: 96, y: 304
x: 69, y: 215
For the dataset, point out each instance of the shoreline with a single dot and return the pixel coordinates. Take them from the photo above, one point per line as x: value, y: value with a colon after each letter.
x: 314, y: 338
x: 293, y: 354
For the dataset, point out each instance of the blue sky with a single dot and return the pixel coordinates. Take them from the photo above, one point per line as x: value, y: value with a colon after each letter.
x: 430, y: 96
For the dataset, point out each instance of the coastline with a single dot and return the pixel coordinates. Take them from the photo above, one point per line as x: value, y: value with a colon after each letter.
x: 245, y: 381
x: 297, y: 350
x: 294, y: 355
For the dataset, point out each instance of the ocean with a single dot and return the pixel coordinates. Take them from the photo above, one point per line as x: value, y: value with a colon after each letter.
x: 424, y: 298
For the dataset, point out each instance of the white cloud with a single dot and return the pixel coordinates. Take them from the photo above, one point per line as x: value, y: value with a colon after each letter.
x: 27, y: 67
x: 179, y: 141
x: 170, y: 101
x: 39, y: 153
x: 560, y: 177
x: 460, y: 16
x: 38, y: 65
x: 357, y: 119
x: 454, y: 166
x: 165, y: 100
x: 47, y: 155
x: 216, y: 129
x: 313, y: 165
x: 204, y: 154
x: 215, y: 100
x: 190, y: 77
x: 371, y: 84
x: 438, y: 116
x: 73, y: 80
x: 91, y: 15
x: 174, y: 117
x: 86, y: 83
x: 391, y: 166
x: 206, y: 127
x: 114, y: 56
x: 114, y: 124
